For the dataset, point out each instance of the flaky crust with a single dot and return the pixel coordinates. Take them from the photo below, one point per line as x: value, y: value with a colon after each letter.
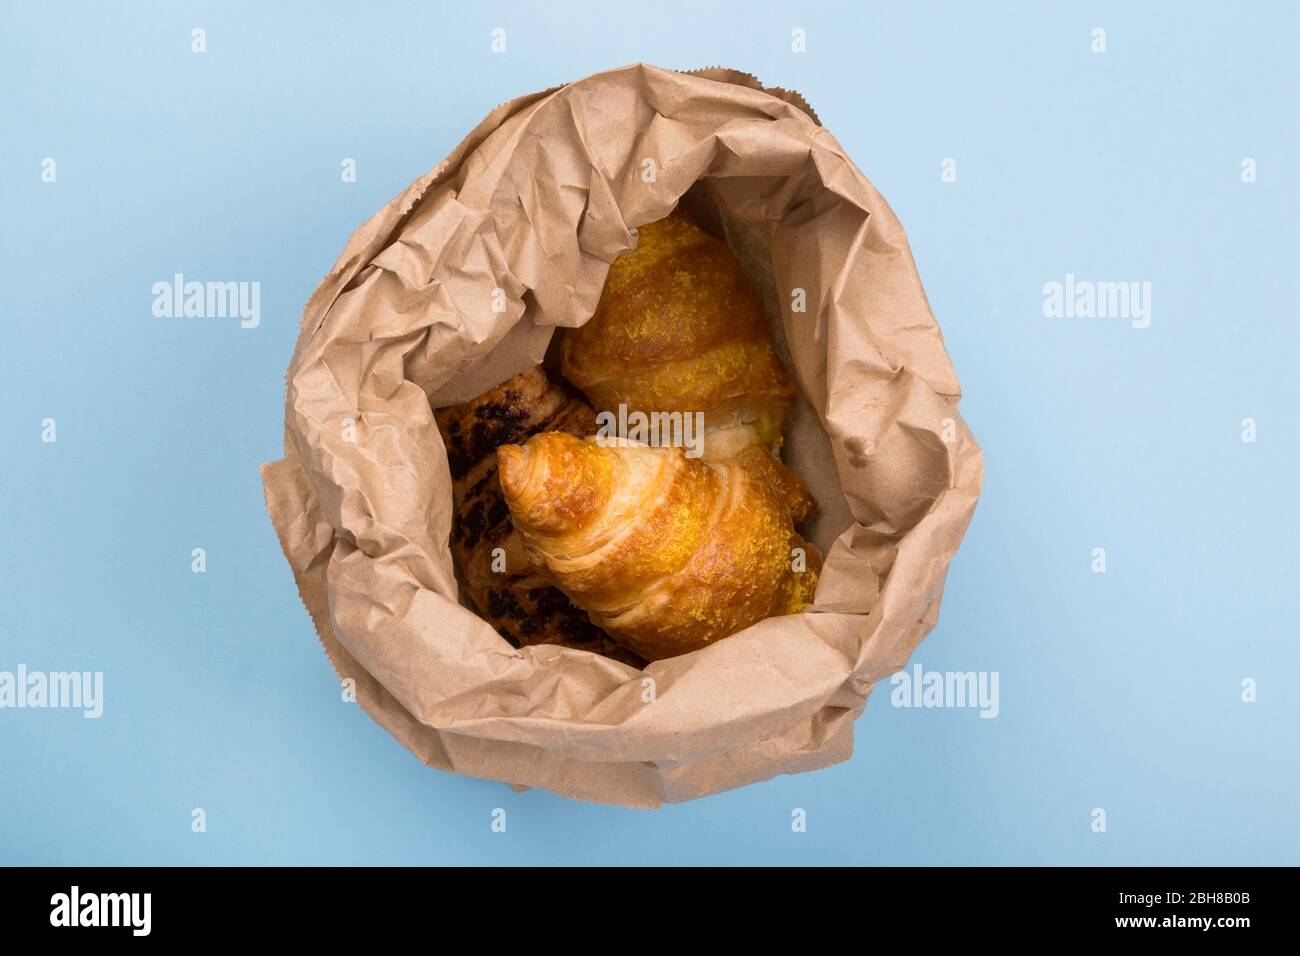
x: 667, y: 553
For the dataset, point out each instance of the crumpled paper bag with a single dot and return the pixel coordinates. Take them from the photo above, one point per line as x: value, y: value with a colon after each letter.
x: 462, y: 281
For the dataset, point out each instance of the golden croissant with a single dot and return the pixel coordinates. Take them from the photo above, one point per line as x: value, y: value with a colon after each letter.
x: 666, y: 553
x: 679, y: 329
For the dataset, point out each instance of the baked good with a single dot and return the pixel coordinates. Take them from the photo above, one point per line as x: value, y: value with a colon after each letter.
x: 666, y: 553
x: 678, y: 328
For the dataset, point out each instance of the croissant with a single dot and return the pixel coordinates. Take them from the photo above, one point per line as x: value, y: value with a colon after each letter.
x: 666, y: 553
x: 503, y: 585
x: 679, y: 329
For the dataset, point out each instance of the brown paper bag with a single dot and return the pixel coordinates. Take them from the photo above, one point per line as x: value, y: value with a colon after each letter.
x: 461, y: 282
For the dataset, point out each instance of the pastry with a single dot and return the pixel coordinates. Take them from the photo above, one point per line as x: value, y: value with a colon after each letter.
x: 668, y: 554
x: 678, y: 329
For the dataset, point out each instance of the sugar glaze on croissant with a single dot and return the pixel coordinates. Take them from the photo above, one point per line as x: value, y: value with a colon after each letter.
x: 666, y: 553
x: 678, y: 328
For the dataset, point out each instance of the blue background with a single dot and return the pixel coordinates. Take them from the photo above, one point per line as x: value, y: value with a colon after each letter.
x: 1119, y: 690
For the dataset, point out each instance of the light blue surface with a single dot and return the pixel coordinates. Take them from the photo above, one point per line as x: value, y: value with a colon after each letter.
x: 1119, y: 690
